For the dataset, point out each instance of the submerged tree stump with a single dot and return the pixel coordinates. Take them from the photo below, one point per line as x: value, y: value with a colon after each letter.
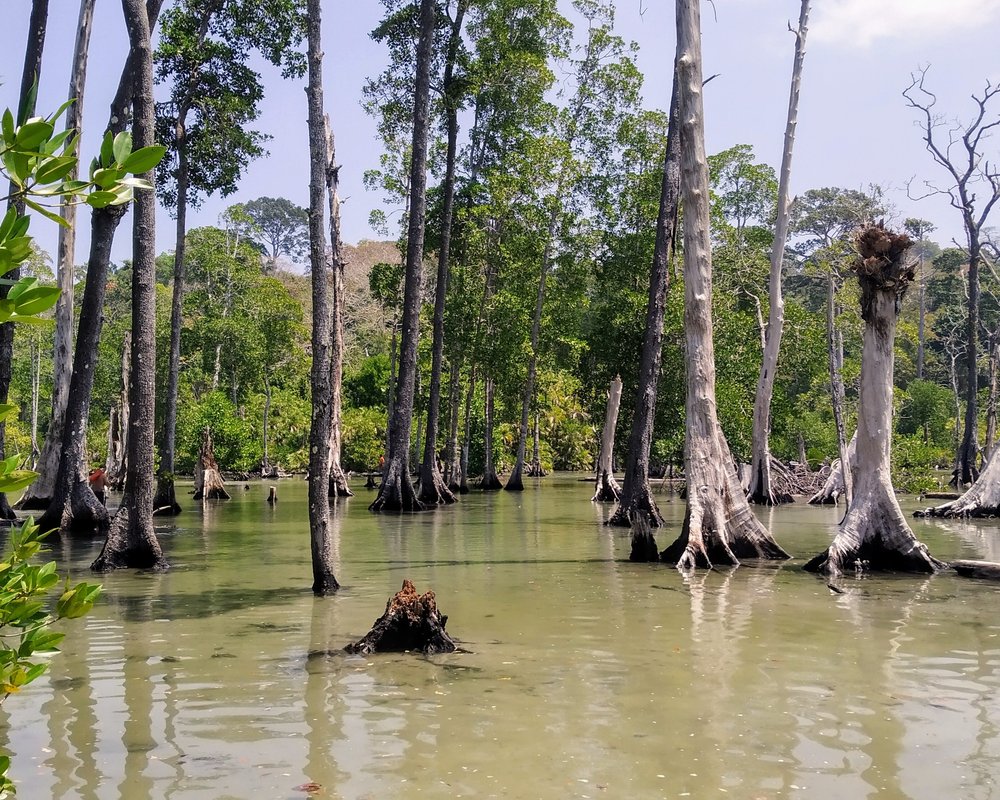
x: 208, y: 483
x: 410, y: 622
x: 989, y: 570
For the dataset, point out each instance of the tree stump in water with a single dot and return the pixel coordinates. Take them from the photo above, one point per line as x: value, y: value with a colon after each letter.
x: 410, y: 622
x: 272, y: 495
x: 208, y: 483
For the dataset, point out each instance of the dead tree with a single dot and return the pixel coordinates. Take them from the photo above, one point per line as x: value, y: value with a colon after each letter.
x: 762, y: 489
x: 973, y: 190
x: 208, y: 483
x: 637, y: 495
x: 131, y: 541
x: 396, y: 493
x: 874, y: 534
x: 834, y: 486
x: 981, y: 500
x: 719, y: 526
x: 606, y: 488
x: 411, y: 622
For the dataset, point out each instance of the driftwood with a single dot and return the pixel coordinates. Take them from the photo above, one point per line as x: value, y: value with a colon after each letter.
x: 410, y: 622
x: 208, y: 483
x: 977, y: 569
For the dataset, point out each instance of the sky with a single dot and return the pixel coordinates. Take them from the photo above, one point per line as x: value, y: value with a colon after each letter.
x: 854, y: 126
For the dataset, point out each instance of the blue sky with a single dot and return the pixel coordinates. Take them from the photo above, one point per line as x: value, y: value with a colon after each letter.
x: 854, y: 126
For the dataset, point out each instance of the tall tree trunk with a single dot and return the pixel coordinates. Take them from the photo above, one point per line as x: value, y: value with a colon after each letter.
x: 131, y: 540
x: 921, y: 323
x: 835, y: 359
x: 636, y: 494
x: 320, y: 529
x: 719, y: 526
x: 396, y: 492
x: 991, y: 401
x: 762, y: 490
x: 36, y: 379
x: 390, y: 394
x: 30, y: 75
x: 463, y: 472
x: 265, y: 464
x: 970, y: 443
x: 433, y: 490
x: 874, y: 533
x: 116, y: 467
x: 338, y: 480
x: 39, y: 494
x: 490, y: 481
x: 453, y: 464
x: 166, y: 499
x: 73, y: 505
x: 606, y: 487
x: 535, y: 468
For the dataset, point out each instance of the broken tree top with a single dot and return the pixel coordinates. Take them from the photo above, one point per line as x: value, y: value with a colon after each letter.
x: 410, y: 622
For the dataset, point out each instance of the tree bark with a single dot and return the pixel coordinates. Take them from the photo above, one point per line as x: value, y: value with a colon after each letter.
x: 762, y: 491
x: 874, y: 534
x: 131, y: 541
x: 116, y: 467
x: 39, y: 494
x: 208, y: 482
x: 637, y: 495
x: 73, y: 506
x: 490, y: 481
x: 606, y: 488
x: 30, y: 75
x: 338, y: 479
x: 535, y: 469
x: 320, y: 529
x: 432, y: 489
x: 463, y: 472
x: 396, y: 492
x: 411, y: 622
x: 991, y: 400
x: 835, y: 359
x: 453, y: 466
x: 719, y: 526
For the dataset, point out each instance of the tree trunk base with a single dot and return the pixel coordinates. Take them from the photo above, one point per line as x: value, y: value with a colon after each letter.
x: 432, y: 490
x: 82, y: 515
x: 641, y: 503
x: 719, y: 530
x: 396, y: 494
x: 535, y: 470
x: 608, y: 490
x: 165, y: 500
x: 981, y: 501
x: 338, y: 484
x: 874, y: 536
x: 782, y: 486
x: 490, y: 483
x: 125, y: 550
x: 325, y: 585
x: 410, y: 622
x: 515, y: 482
x: 213, y: 487
x: 643, y: 543
x: 6, y: 512
x: 32, y: 502
x: 370, y: 483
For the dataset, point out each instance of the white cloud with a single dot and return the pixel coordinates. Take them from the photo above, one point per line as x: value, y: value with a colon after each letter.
x: 863, y: 22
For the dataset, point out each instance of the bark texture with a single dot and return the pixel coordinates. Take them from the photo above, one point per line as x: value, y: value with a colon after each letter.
x: 116, y: 467
x: 396, y: 493
x: 320, y: 528
x: 131, y: 541
x: 981, y: 500
x: 719, y: 527
x: 490, y: 481
x: 762, y: 489
x: 39, y: 494
x: 606, y: 488
x: 208, y: 483
x: 874, y: 534
x: 338, y: 479
x: 637, y: 495
x: 411, y: 622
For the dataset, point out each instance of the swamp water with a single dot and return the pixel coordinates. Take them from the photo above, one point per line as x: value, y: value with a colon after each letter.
x: 588, y: 676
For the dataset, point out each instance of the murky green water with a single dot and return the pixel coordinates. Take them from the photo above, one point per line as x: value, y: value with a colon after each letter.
x: 588, y: 676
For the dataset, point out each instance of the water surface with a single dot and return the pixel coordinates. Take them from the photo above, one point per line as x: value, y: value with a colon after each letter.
x: 587, y: 676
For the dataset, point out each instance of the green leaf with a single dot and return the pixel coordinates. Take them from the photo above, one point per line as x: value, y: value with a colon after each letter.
x: 54, y: 169
x: 7, y: 126
x: 18, y: 479
x: 51, y: 215
x: 101, y: 199
x: 107, y: 177
x: 36, y: 300
x: 144, y: 159
x: 107, y: 150
x: 31, y: 135
x: 7, y: 411
x: 122, y: 146
x: 21, y: 286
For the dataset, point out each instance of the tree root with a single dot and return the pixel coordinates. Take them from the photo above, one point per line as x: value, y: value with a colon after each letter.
x: 410, y: 622
x: 608, y: 490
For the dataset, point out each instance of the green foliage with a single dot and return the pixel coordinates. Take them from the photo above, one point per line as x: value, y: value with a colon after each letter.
x: 367, y: 386
x: 363, y: 438
x: 914, y: 463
